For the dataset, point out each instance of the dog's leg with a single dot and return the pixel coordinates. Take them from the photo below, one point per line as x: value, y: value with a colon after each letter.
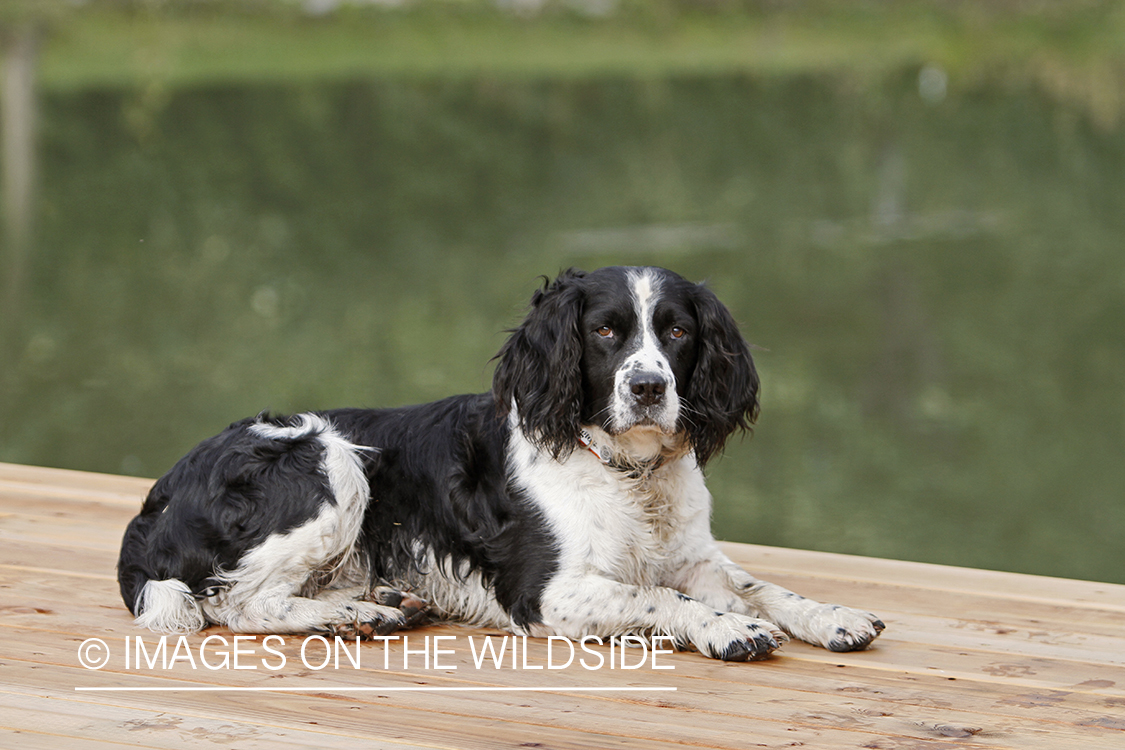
x: 264, y: 594
x: 406, y: 609
x: 722, y: 584
x: 594, y: 605
x: 346, y: 612
x: 299, y: 614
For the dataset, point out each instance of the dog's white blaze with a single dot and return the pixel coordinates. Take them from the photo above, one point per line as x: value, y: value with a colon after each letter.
x: 645, y: 297
x: 648, y: 358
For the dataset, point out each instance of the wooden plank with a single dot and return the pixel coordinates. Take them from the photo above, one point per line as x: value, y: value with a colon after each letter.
x: 600, y: 721
x: 23, y: 592
x: 69, y: 479
x: 941, y: 643
x: 817, y: 698
x: 974, y: 664
x: 1007, y: 639
x: 94, y: 512
x: 985, y: 607
x: 41, y: 738
x: 65, y: 484
x: 60, y: 558
x: 972, y: 659
x: 746, y: 675
x: 102, y: 725
x: 883, y: 716
x: 995, y: 657
x: 415, y: 718
x: 67, y: 532
x: 929, y: 576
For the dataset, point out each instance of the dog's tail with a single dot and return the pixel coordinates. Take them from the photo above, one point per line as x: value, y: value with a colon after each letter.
x: 168, y: 606
x: 163, y: 604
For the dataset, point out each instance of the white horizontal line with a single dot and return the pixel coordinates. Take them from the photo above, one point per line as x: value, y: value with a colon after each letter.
x: 352, y: 689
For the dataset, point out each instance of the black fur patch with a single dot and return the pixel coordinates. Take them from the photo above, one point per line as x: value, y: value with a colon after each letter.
x: 220, y: 500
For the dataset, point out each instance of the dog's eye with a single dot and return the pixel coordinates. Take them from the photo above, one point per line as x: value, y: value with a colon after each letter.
x: 604, y: 332
x: 677, y: 332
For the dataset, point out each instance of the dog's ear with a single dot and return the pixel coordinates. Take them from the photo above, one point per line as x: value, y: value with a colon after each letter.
x: 723, y: 393
x: 539, y: 368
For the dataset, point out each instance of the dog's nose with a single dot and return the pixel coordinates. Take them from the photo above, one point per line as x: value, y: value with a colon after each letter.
x: 648, y: 388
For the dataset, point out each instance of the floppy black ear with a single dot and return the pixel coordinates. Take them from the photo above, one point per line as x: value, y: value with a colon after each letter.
x: 723, y: 393
x: 539, y: 366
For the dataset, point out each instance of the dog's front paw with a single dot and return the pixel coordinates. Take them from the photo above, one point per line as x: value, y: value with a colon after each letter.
x: 733, y: 637
x: 839, y: 628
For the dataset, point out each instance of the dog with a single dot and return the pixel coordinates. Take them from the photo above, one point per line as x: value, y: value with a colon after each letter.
x: 570, y: 500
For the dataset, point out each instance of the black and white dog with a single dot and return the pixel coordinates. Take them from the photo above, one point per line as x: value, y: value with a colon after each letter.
x: 568, y: 501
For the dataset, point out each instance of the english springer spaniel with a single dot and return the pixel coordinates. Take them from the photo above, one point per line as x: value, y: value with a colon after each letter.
x: 570, y: 500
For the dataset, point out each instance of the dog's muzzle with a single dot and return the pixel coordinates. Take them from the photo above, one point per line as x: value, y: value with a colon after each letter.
x: 645, y: 397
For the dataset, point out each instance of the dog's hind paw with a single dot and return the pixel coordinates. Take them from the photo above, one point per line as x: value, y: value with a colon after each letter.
x: 390, y: 611
x: 413, y: 607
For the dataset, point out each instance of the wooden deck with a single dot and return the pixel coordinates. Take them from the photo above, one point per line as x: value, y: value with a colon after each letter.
x: 970, y: 659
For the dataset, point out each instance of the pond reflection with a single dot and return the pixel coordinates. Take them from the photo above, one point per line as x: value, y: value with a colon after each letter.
x: 934, y: 282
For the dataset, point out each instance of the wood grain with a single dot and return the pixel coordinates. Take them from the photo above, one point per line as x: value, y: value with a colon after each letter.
x: 971, y: 659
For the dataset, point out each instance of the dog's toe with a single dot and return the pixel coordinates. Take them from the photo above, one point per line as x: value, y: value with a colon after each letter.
x: 748, y: 639
x: 367, y: 629
x: 365, y: 620
x: 413, y: 607
x: 736, y: 651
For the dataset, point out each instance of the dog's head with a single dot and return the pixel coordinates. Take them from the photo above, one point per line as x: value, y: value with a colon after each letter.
x: 627, y: 350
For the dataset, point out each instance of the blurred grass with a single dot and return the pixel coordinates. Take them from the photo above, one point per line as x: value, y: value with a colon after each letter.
x: 192, y: 42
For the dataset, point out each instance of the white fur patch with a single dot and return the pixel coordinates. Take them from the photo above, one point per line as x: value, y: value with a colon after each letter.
x: 462, y: 597
x: 168, y: 607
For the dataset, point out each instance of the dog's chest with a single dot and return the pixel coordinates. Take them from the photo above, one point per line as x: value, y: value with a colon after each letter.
x: 637, y: 538
x: 634, y: 531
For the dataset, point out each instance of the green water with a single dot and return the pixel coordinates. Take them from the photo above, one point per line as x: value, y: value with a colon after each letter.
x: 936, y: 286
